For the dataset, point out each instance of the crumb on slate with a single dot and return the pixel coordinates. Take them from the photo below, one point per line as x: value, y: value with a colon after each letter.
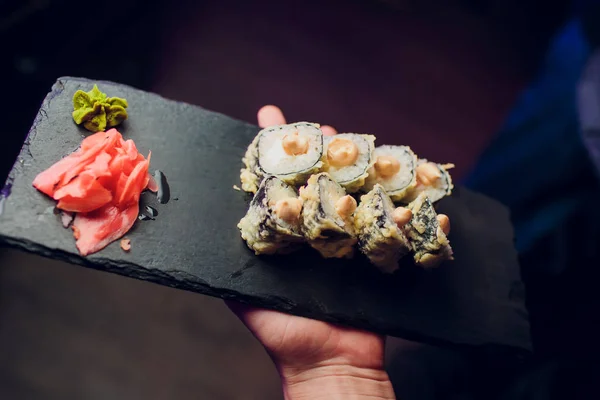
x: 126, y: 244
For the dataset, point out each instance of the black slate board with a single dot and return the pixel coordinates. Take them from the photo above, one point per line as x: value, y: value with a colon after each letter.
x: 194, y: 244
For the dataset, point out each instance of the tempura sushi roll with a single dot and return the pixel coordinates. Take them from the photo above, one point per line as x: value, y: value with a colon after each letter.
x: 377, y: 225
x: 328, y: 217
x: 432, y: 179
x: 395, y: 169
x: 290, y: 152
x: 273, y: 221
x: 427, y: 233
x: 348, y: 158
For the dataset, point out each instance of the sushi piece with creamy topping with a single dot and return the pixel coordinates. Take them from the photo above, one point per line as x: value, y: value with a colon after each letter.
x: 348, y: 158
x: 394, y: 169
x: 432, y: 179
x: 290, y: 152
x: 427, y: 233
x: 378, y: 224
x: 273, y: 221
x: 323, y: 214
x: 328, y: 217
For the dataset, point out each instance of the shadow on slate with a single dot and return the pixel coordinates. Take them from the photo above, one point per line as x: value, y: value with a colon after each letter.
x: 194, y: 243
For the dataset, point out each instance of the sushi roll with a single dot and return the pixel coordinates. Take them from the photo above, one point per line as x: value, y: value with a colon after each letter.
x: 395, y: 169
x: 272, y: 223
x: 427, y: 233
x: 432, y: 179
x: 377, y: 224
x: 328, y: 217
x: 348, y: 158
x: 290, y: 152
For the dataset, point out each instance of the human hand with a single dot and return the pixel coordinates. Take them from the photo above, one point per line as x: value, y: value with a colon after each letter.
x: 317, y: 360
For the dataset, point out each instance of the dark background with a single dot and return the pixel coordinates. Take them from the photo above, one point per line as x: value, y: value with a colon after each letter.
x: 445, y: 70
x: 437, y: 75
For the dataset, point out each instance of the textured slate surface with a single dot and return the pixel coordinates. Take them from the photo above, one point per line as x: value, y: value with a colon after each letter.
x: 194, y: 244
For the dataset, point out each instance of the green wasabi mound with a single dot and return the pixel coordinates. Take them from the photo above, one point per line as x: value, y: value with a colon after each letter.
x: 96, y: 111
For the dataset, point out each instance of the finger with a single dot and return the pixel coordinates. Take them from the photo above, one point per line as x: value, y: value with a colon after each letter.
x: 270, y: 115
x: 328, y: 130
x: 239, y: 309
x: 254, y: 318
x: 247, y: 314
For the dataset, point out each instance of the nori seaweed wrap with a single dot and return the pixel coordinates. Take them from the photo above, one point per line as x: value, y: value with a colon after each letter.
x: 273, y: 221
x: 328, y: 217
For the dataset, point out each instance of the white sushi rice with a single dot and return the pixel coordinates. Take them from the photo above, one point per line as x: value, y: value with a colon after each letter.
x: 441, y: 188
x: 330, y: 193
x: 405, y: 179
x: 272, y: 158
x: 352, y: 177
